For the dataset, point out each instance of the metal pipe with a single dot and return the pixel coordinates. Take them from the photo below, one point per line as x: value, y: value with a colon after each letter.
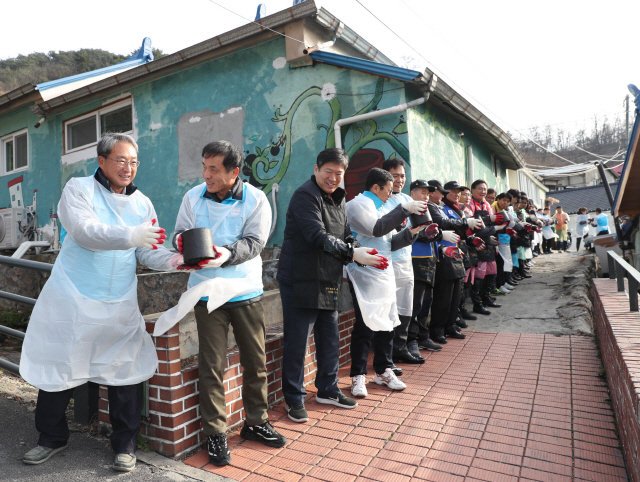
x: 471, y: 169
x: 10, y: 367
x: 18, y: 298
x: 5, y: 330
x: 379, y: 113
x: 25, y: 263
x: 24, y: 247
x: 274, y: 202
x: 320, y: 46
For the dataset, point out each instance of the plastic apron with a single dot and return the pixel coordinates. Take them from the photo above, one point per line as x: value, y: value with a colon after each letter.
x: 402, y: 264
x: 86, y: 324
x: 218, y: 285
x: 374, y: 288
x: 603, y: 223
x: 582, y: 229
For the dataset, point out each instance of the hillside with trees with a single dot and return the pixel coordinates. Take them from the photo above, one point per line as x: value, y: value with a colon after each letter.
x: 39, y: 67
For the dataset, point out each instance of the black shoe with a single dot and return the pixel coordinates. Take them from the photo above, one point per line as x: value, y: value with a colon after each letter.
x: 297, y: 412
x: 512, y: 282
x: 487, y: 301
x: 405, y: 357
x: 467, y: 316
x: 481, y: 310
x: 440, y: 339
x: 218, y: 449
x: 525, y: 275
x: 412, y: 346
x: 397, y: 371
x: 460, y: 322
x: 451, y: 332
x: 341, y: 401
x: 429, y: 345
x: 265, y: 434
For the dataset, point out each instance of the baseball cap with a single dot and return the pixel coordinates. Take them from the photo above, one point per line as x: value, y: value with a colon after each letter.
x: 438, y: 185
x: 454, y: 185
x: 421, y: 183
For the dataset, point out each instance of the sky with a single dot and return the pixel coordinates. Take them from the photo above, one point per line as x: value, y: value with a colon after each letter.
x: 522, y: 64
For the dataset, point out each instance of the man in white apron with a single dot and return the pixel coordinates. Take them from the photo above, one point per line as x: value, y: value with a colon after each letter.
x: 374, y: 291
x: 86, y: 325
x: 404, y: 351
x: 239, y: 217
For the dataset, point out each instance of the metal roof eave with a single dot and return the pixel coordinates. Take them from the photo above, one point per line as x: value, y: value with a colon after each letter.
x: 628, y: 162
x: 383, y: 70
x: 17, y: 93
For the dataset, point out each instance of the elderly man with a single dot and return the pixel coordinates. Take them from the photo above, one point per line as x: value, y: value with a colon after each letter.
x: 86, y: 325
x: 317, y: 244
x: 239, y: 217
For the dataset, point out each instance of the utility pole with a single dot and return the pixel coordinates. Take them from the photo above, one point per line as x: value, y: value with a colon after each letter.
x: 626, y: 132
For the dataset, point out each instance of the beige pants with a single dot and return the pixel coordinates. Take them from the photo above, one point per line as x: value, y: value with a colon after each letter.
x: 249, y: 330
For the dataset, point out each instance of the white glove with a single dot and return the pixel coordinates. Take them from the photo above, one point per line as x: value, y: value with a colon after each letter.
x: 369, y: 257
x: 176, y: 261
x: 450, y: 236
x: 500, y: 228
x: 225, y: 254
x: 474, y: 223
x: 415, y: 207
x: 147, y: 236
x: 417, y: 229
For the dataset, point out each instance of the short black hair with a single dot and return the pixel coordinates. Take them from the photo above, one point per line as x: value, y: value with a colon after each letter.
x: 232, y: 155
x: 558, y: 207
x: 392, y: 164
x: 546, y: 209
x: 491, y: 191
x: 503, y: 195
x: 598, y: 210
x: 477, y: 182
x: 515, y: 194
x: 335, y: 155
x: 377, y: 176
x: 523, y: 194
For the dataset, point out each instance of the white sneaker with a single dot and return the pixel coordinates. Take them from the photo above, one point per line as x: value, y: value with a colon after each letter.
x: 389, y: 379
x: 509, y: 287
x: 358, y: 388
x: 504, y: 290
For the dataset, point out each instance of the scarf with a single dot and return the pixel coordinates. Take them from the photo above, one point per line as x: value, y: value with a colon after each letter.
x: 455, y: 206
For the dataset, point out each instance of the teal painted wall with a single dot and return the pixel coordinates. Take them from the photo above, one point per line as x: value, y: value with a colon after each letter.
x: 438, y: 151
x: 281, y: 116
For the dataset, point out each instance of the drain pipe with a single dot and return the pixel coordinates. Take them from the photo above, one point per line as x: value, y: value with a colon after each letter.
x: 320, y: 46
x: 274, y: 203
x: 470, y: 160
x: 380, y: 113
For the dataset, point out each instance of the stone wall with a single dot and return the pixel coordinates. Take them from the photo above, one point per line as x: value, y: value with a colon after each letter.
x: 24, y: 282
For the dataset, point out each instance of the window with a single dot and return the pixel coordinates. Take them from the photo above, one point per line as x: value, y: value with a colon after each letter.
x: 15, y: 152
x: 84, y: 131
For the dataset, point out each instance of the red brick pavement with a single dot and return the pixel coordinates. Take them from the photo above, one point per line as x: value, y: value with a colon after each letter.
x: 493, y: 407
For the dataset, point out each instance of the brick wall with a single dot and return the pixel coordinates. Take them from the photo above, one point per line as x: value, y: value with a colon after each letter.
x: 173, y: 426
x: 618, y: 331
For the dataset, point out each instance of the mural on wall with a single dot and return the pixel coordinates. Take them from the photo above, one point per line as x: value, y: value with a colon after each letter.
x: 269, y: 164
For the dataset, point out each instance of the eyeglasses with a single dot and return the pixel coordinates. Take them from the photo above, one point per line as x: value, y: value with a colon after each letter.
x: 124, y: 162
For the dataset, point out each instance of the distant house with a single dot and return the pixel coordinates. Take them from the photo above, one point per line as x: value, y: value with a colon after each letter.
x: 591, y: 197
x: 276, y: 98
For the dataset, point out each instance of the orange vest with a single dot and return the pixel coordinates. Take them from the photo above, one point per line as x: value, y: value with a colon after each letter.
x: 562, y: 221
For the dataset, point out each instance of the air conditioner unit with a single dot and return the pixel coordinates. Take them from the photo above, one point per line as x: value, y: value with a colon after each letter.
x: 10, y: 221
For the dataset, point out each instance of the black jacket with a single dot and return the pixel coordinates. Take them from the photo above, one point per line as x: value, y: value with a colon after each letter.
x: 450, y: 268
x: 317, y: 244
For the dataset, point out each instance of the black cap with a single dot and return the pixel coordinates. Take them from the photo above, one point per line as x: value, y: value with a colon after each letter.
x: 438, y: 186
x: 454, y: 185
x: 421, y: 183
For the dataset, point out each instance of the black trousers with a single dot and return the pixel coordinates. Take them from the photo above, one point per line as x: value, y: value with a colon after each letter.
x: 546, y: 244
x: 422, y: 299
x: 500, y: 278
x: 578, y: 241
x: 401, y: 334
x: 298, y: 323
x: 446, y: 301
x: 361, y: 337
x: 125, y: 412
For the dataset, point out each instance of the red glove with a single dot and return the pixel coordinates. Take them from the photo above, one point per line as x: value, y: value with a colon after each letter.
x: 478, y: 243
x: 510, y: 231
x: 469, y: 232
x: 529, y: 228
x: 431, y: 231
x: 384, y: 263
x: 179, y: 243
x: 538, y: 229
x: 499, y: 218
x: 452, y: 252
x: 196, y: 267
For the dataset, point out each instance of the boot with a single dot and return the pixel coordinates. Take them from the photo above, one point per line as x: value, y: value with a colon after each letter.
x: 487, y: 299
x: 460, y: 323
x: 464, y: 314
x: 476, y: 297
x: 523, y: 274
x: 564, y: 246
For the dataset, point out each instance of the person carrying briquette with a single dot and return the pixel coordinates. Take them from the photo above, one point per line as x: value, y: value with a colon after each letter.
x: 317, y: 244
x: 86, y: 325
x: 601, y: 222
x: 450, y: 268
x: 561, y: 220
x: 239, y: 218
x: 404, y: 350
x: 504, y: 262
x: 582, y: 226
x: 470, y: 262
x: 486, y: 270
x: 547, y: 233
x: 423, y: 260
x: 374, y: 291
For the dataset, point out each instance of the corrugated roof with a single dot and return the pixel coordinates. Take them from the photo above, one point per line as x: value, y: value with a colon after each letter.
x: 590, y: 197
x: 368, y: 66
x: 628, y: 203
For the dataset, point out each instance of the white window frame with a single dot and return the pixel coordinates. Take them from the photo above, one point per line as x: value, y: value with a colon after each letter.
x: 96, y: 114
x: 3, y: 141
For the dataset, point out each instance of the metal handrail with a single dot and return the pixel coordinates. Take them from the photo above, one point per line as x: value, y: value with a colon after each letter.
x: 18, y: 263
x: 618, y: 270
